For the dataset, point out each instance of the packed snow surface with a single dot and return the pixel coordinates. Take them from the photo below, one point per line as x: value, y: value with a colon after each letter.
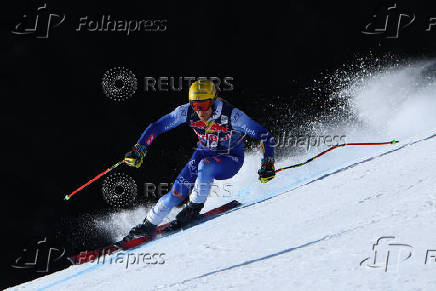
x: 360, y: 217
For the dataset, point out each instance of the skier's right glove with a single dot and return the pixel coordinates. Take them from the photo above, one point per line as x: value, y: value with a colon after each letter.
x: 267, y: 171
x: 135, y: 157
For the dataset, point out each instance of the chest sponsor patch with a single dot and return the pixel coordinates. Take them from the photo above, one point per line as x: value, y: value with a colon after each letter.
x: 209, y: 127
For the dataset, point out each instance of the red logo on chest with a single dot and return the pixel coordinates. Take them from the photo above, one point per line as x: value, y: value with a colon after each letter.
x: 213, y: 127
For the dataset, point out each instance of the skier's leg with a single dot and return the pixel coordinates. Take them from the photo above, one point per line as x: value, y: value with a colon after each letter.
x: 181, y: 189
x: 214, y: 167
x: 219, y: 167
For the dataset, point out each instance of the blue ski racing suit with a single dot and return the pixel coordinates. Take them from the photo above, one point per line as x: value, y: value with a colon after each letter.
x: 219, y: 154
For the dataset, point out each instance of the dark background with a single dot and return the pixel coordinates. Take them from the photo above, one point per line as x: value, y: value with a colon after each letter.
x: 59, y: 129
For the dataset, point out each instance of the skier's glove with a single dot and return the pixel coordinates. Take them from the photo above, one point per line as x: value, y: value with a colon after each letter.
x: 267, y: 171
x: 135, y: 157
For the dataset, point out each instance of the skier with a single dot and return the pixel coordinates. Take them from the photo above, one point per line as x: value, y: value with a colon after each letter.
x: 220, y: 128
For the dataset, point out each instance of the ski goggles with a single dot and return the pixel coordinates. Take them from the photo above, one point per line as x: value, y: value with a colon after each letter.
x: 203, y: 105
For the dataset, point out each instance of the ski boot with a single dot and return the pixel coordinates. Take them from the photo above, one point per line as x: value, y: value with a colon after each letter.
x: 144, y: 229
x: 189, y: 213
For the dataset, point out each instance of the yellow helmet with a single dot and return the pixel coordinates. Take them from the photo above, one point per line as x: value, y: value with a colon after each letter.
x: 202, y: 90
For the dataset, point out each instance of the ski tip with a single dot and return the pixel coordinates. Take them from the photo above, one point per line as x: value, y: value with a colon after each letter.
x: 395, y: 141
x: 235, y: 203
x: 66, y: 197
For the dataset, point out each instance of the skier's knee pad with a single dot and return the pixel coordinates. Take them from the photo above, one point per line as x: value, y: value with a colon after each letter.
x: 206, y: 169
x: 172, y: 199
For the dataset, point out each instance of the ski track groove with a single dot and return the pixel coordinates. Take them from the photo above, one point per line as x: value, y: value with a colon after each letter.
x: 272, y: 255
x: 245, y: 205
x: 243, y: 263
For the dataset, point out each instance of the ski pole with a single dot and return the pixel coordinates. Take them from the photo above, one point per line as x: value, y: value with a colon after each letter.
x: 67, y: 197
x: 332, y: 148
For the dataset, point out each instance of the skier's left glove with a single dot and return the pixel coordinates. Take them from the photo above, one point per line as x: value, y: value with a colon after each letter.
x: 135, y: 157
x: 267, y: 171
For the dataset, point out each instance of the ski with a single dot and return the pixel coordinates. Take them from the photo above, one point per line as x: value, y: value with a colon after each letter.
x: 162, y: 230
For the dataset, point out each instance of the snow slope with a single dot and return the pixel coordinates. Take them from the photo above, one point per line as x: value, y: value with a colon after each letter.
x: 311, y: 238
x: 312, y: 228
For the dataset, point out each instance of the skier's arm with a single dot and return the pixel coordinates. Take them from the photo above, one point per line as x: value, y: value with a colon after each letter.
x: 241, y: 122
x: 164, y: 124
x: 135, y: 157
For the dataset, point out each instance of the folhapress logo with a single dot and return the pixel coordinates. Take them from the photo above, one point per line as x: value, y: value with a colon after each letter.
x: 39, y: 256
x: 40, y: 23
x: 386, y: 254
x: 106, y: 23
x: 389, y: 20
